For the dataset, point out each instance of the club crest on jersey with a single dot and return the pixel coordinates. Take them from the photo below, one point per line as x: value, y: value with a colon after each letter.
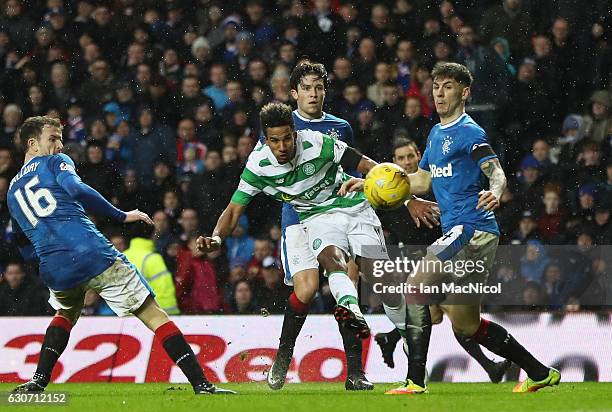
x: 308, y: 169
x: 333, y: 133
x: 446, y: 144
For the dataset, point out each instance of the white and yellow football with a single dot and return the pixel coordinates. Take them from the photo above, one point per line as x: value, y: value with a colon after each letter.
x: 386, y: 186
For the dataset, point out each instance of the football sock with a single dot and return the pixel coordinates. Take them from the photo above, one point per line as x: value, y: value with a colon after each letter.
x: 352, y: 348
x: 397, y: 316
x: 56, y: 339
x: 395, y: 335
x: 343, y: 290
x: 497, y: 339
x: 180, y: 352
x: 295, y: 316
x: 418, y: 332
x: 473, y: 348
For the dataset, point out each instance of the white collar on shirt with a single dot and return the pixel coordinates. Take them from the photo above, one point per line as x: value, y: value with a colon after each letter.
x: 320, y: 119
x: 454, y: 122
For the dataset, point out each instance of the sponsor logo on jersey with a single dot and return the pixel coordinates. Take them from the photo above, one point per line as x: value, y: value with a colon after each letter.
x: 312, y: 193
x: 436, y: 171
x: 287, y: 197
x: 280, y: 181
x: 446, y: 144
x: 316, y: 243
x: 308, y: 169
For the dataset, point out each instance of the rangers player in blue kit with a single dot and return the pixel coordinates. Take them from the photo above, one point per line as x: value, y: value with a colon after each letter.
x: 456, y: 159
x: 47, y: 201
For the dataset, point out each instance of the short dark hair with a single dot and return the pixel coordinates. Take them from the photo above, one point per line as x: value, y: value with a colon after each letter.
x: 307, y: 68
x: 403, y: 142
x: 455, y: 71
x: 274, y: 115
x: 32, y: 128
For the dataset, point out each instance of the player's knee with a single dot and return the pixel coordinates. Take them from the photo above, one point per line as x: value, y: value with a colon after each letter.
x: 436, y: 317
x: 333, y: 259
x: 306, y: 294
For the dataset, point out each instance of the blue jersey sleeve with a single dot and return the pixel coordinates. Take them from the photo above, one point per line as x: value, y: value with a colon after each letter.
x: 347, y: 136
x: 62, y: 167
x: 476, y: 145
x: 424, y: 163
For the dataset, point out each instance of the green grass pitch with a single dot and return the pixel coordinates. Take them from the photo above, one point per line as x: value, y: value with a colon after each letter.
x: 323, y: 397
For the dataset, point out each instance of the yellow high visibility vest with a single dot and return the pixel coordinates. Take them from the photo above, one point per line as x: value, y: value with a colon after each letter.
x: 152, y: 266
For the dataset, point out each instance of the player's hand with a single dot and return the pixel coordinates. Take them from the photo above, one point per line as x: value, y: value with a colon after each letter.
x: 137, y: 215
x: 354, y: 184
x: 424, y: 211
x: 207, y: 244
x: 488, y: 200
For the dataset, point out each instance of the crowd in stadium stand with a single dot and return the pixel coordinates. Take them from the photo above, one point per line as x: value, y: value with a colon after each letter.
x: 160, y: 101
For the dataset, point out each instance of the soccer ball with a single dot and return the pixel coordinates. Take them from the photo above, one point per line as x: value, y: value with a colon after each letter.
x: 386, y: 186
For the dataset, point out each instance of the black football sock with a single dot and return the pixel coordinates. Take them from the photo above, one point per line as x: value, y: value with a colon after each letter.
x: 418, y: 332
x: 180, y: 352
x: 56, y: 339
x: 394, y: 335
x: 352, y: 349
x: 497, y: 339
x: 473, y: 349
x: 295, y: 316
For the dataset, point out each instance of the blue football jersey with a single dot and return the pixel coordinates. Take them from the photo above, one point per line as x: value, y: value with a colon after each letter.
x: 69, y: 247
x: 456, y: 177
x: 327, y: 124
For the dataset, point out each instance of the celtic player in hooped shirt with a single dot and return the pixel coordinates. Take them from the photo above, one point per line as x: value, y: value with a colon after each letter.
x: 305, y: 169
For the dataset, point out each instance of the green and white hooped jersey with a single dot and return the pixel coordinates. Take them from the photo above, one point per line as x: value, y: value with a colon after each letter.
x: 309, y: 182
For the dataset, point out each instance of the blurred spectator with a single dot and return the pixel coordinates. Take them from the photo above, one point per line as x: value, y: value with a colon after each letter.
x: 243, y: 302
x: 149, y: 143
x: 534, y: 261
x: 533, y: 297
x: 190, y: 224
x: 552, y: 283
x: 272, y: 294
x: 11, y: 119
x: 382, y: 74
x: 8, y: 169
x: 141, y: 253
x: 416, y: 125
x: 509, y: 19
x: 97, y: 172
x: 197, y: 289
x: 240, y: 246
x: 600, y: 115
x: 552, y: 218
x: 512, y: 285
x: 526, y: 229
x: 162, y: 236
x: 130, y: 195
x: 22, y: 294
x: 262, y: 249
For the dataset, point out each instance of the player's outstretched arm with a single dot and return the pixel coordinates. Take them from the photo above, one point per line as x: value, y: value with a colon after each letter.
x: 225, y: 226
x: 420, y: 182
x: 90, y: 198
x: 490, y: 199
